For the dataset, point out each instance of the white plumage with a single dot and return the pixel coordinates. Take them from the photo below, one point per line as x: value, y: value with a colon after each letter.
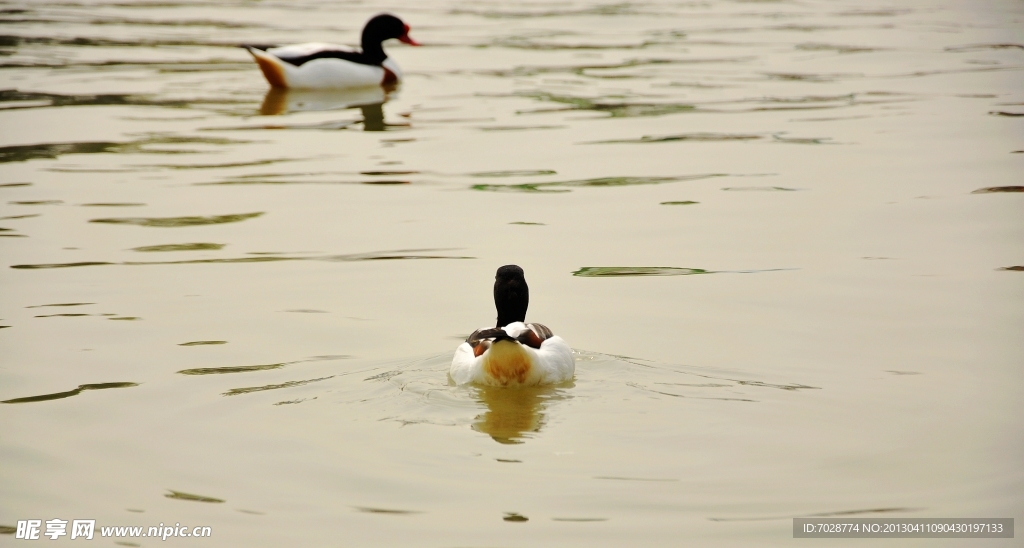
x: 511, y: 363
x: 325, y: 73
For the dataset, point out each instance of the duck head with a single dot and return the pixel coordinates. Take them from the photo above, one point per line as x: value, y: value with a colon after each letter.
x: 511, y: 295
x: 384, y: 27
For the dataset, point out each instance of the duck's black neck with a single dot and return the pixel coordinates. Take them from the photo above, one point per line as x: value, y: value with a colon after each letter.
x: 373, y: 50
x: 378, y: 29
x: 511, y: 295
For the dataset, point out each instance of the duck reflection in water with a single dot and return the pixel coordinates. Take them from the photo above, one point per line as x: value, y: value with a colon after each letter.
x: 514, y: 415
x: 370, y: 100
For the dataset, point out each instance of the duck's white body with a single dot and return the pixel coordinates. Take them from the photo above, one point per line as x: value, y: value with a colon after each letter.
x: 325, y: 73
x: 511, y: 363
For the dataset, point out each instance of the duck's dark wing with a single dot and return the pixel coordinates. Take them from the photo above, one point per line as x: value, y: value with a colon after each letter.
x: 300, y: 54
x: 484, y: 334
x: 480, y: 340
x: 351, y: 56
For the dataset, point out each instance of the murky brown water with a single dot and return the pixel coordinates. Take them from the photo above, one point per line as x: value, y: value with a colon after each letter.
x: 785, y: 238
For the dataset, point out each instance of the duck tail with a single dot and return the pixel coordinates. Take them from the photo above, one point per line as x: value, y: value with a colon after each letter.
x: 271, y: 66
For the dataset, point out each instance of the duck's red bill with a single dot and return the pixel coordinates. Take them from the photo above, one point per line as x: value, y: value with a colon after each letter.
x: 406, y: 39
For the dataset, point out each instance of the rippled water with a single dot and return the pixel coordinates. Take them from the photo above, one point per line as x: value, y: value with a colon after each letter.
x: 290, y: 272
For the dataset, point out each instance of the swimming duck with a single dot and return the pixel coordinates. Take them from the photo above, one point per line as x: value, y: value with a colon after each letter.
x: 320, y: 66
x: 513, y: 353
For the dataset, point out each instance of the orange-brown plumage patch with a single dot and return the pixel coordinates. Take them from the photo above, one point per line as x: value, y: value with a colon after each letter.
x: 479, y: 347
x: 271, y: 72
x: 535, y: 335
x: 507, y: 363
x: 390, y: 78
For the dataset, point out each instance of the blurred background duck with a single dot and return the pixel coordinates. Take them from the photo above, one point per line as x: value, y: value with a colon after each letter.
x: 513, y: 353
x: 328, y: 66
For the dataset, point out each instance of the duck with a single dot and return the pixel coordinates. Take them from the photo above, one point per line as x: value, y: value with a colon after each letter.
x: 513, y: 353
x: 317, y: 65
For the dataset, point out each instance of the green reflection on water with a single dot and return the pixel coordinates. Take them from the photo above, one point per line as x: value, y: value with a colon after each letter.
x: 994, y: 189
x: 614, y: 109
x: 290, y: 384
x: 201, y: 343
x: 517, y: 42
x: 180, y: 247
x: 613, y: 271
x: 178, y: 495
x: 12, y: 217
x: 759, y: 189
x: 608, y: 9
x: 833, y: 47
x: 69, y: 393
x: 391, y: 511
x: 235, y: 369
x: 400, y: 255
x: 387, y: 173
x: 223, y: 165
x: 624, y: 478
x: 610, y: 271
x: 60, y: 100
x: 526, y: 187
x: 58, y: 304
x: 167, y: 222
x: 58, y: 265
x: 699, y: 137
x: 514, y: 173
x: 803, y: 140
x: 517, y: 128
x: 598, y: 182
x: 22, y: 153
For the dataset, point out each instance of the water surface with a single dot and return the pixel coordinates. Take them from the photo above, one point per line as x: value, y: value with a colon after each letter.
x: 830, y: 327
